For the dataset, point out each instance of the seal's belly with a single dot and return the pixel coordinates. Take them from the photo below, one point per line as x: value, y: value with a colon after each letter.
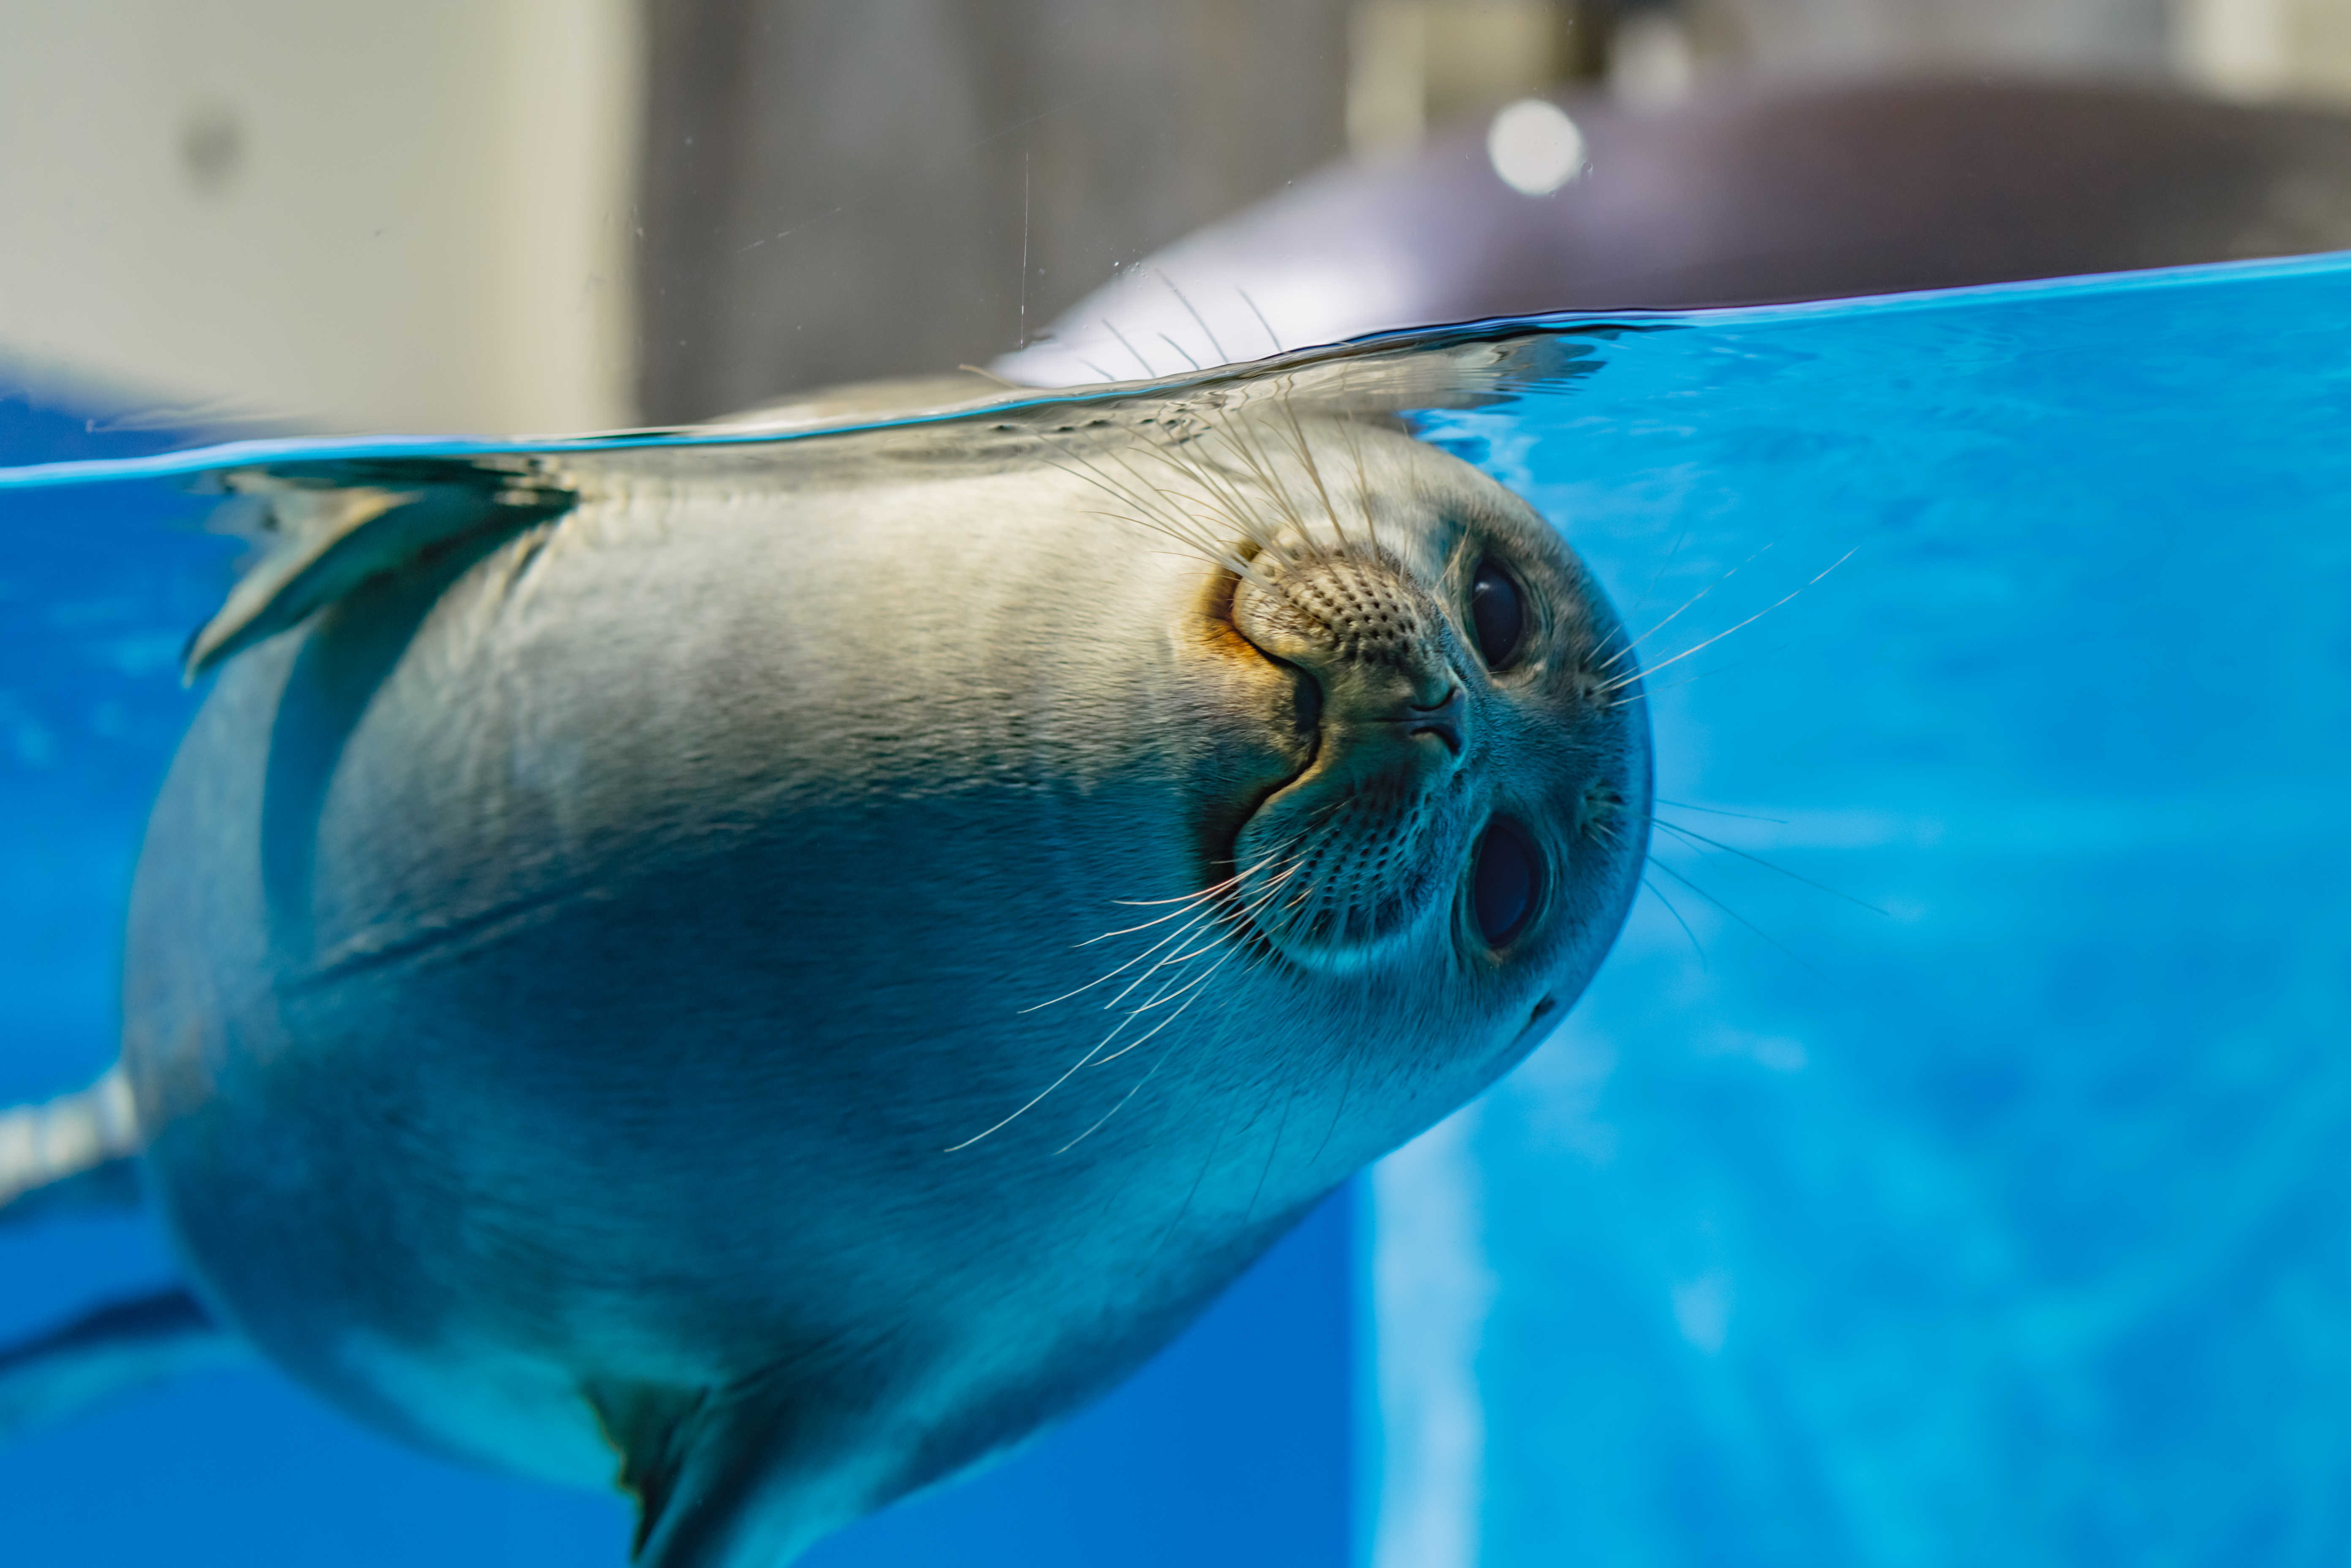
x: 491, y: 1403
x: 457, y: 1140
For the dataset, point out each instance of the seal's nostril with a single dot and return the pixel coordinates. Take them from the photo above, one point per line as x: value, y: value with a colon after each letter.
x: 1441, y: 718
x: 1445, y: 729
x: 1449, y: 703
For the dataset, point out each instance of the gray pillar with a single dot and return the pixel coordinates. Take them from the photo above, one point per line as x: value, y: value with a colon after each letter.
x: 834, y: 190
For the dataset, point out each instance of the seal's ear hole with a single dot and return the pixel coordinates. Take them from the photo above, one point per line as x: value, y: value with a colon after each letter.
x: 1498, y: 613
x: 1505, y: 881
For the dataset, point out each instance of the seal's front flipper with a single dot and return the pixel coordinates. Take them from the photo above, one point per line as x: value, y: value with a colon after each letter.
x: 328, y: 525
x: 118, y: 1349
x: 75, y: 1152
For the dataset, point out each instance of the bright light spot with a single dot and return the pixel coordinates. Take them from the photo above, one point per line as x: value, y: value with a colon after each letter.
x: 1535, y: 147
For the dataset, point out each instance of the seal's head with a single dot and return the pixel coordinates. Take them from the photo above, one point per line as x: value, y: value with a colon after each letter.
x: 1459, y: 829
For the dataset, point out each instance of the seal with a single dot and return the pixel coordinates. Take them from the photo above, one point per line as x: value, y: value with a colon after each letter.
x: 796, y: 962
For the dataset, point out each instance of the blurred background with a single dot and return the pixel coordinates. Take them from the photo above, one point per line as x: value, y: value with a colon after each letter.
x: 543, y: 215
x: 232, y: 217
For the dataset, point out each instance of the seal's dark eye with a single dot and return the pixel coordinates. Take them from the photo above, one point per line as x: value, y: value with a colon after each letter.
x: 1504, y: 882
x: 1499, y: 612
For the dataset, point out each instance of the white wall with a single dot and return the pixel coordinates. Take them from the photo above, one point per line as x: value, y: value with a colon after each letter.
x: 2291, y: 50
x: 343, y: 214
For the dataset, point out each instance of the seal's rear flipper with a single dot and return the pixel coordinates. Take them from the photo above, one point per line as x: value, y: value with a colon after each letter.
x: 118, y: 1349
x: 738, y: 1477
x: 76, y: 1152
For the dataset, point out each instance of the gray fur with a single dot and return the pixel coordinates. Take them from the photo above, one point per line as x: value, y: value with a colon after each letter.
x: 561, y: 965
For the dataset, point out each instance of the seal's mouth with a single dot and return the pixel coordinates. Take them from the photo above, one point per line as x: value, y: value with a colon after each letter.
x: 1268, y: 737
x: 1296, y: 721
x: 1337, y: 858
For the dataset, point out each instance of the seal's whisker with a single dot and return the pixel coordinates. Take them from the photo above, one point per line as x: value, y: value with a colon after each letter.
x: 1162, y: 920
x: 1144, y: 503
x: 1271, y: 336
x: 1214, y: 513
x: 1742, y: 920
x: 1192, y: 549
x: 1120, y: 1105
x: 1304, y: 456
x: 1718, y: 811
x: 1032, y: 1104
x: 1694, y: 837
x: 1758, y: 656
x: 1210, y: 945
x: 1208, y: 891
x: 1204, y: 331
x: 1208, y: 1162
x: 1305, y: 450
x: 1176, y: 935
x: 1176, y: 987
x: 1627, y: 649
x: 1148, y: 373
x: 1235, y: 923
x: 1363, y: 476
x: 1145, y: 499
x: 1146, y: 494
x: 1173, y: 988
x: 1189, y: 987
x: 1719, y: 636
x: 1117, y: 1108
x: 1259, y: 463
x: 1697, y: 947
x: 1159, y: 488
x: 1160, y: 904
x: 1659, y: 575
x: 1175, y: 524
x: 1257, y: 455
x: 1232, y: 918
x: 1346, y: 1088
x: 1211, y: 916
x: 1184, y: 996
x: 1075, y: 1067
x: 1271, y: 1155
x: 1183, y: 933
x: 1231, y: 502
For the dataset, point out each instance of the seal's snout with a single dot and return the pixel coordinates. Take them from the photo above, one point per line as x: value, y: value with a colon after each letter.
x: 1339, y: 606
x: 1367, y: 634
x: 1342, y: 860
x: 1387, y: 697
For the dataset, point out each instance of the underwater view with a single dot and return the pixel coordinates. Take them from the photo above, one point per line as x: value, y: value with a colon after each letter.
x: 1941, y: 1167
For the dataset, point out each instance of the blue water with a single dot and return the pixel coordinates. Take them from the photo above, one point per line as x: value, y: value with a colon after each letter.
x: 2000, y: 1216
x: 2010, y: 1220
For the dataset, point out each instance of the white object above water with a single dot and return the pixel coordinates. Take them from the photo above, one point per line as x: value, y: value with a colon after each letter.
x: 1535, y: 147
